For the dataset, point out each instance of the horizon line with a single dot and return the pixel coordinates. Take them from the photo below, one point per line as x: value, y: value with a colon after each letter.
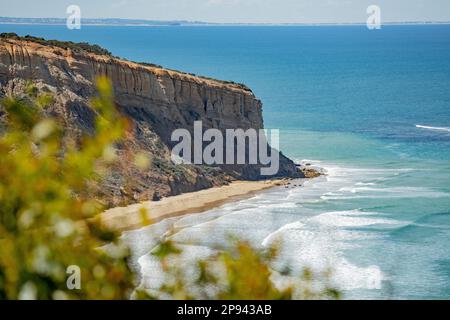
x: 151, y: 22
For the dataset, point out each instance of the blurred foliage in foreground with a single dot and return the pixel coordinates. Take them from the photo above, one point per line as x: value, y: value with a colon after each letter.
x: 239, y: 273
x: 46, y: 189
x: 48, y: 208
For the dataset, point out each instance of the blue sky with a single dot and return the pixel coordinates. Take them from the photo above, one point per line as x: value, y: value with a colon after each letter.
x: 255, y: 11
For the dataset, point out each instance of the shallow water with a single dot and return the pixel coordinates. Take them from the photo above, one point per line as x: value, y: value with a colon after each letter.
x: 376, y: 246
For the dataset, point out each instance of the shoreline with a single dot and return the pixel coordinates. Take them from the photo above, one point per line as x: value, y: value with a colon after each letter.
x: 142, y: 214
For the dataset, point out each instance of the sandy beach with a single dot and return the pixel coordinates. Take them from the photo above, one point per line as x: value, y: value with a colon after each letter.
x: 145, y: 213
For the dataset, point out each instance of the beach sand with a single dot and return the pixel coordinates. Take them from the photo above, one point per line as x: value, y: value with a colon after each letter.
x: 145, y: 213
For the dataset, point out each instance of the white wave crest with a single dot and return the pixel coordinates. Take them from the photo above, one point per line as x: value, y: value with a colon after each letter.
x: 352, y: 218
x: 447, y: 129
x: 277, y: 235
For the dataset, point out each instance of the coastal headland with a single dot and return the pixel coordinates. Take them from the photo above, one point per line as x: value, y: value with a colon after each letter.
x: 156, y: 101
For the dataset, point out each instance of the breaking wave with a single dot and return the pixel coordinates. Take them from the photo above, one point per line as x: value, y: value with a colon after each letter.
x: 446, y: 129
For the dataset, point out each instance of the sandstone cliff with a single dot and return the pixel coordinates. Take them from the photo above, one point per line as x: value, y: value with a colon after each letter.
x: 157, y: 101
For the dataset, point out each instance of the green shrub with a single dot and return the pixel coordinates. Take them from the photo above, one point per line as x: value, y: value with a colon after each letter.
x: 81, y: 46
x: 47, y: 196
x: 239, y: 273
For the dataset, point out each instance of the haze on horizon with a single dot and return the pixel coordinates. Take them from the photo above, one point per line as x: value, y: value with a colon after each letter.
x: 235, y: 11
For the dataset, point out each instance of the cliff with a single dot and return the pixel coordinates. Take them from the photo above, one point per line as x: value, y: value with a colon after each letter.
x: 156, y: 100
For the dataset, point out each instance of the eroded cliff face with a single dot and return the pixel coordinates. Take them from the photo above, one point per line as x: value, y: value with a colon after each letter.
x: 157, y: 100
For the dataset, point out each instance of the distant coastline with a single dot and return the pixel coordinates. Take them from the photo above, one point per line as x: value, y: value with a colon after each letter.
x: 159, y: 23
x: 100, y: 22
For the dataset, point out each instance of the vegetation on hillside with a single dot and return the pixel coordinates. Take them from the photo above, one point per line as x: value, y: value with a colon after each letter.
x: 96, y: 49
x: 80, y: 46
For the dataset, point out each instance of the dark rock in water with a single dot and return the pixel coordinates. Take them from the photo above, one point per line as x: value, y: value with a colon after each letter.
x: 156, y: 196
x: 311, y: 173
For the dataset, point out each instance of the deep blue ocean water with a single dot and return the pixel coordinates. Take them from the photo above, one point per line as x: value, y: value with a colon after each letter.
x: 371, y: 107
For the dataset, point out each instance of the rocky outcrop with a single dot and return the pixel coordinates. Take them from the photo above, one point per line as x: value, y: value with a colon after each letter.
x: 156, y: 99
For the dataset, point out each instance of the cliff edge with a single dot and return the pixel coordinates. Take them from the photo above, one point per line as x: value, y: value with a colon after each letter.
x: 156, y: 100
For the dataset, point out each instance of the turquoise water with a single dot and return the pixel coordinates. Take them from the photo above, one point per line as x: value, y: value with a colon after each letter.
x: 371, y: 107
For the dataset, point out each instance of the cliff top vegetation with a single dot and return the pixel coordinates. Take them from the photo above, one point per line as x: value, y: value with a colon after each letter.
x: 96, y: 49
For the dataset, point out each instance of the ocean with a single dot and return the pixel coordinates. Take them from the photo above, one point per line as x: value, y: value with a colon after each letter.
x: 371, y: 107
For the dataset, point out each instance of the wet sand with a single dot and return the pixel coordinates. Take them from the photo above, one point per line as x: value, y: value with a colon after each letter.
x: 145, y: 213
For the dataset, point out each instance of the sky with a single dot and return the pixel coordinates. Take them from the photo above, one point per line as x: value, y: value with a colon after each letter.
x: 235, y: 11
